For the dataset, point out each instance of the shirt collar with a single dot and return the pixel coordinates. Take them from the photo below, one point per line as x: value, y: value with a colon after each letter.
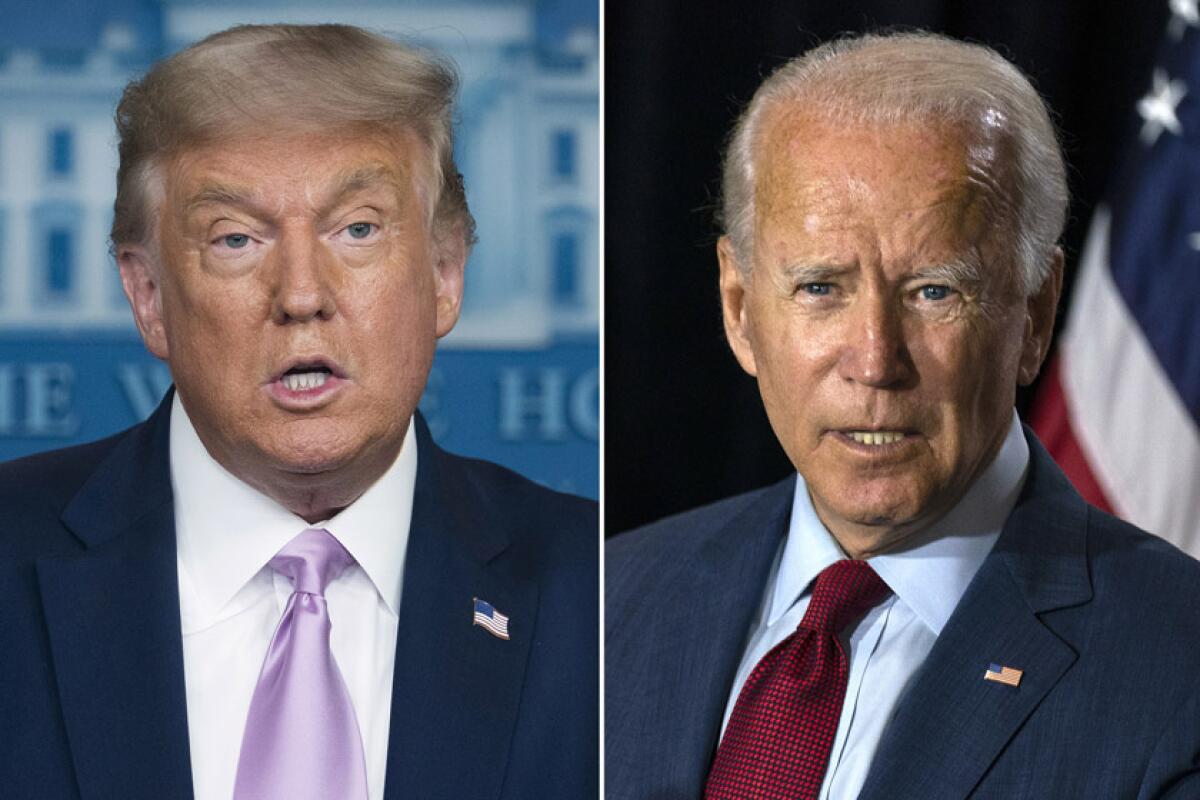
x: 930, y: 573
x: 226, y: 531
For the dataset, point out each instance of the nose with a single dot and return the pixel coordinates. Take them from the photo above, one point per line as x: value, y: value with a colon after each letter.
x: 303, y: 275
x: 875, y: 351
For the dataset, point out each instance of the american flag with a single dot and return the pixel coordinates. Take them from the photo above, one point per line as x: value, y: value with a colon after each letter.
x: 491, y: 620
x: 1119, y: 407
x: 1006, y: 675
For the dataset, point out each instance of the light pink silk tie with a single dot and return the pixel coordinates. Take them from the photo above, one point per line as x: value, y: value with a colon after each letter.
x: 302, y: 740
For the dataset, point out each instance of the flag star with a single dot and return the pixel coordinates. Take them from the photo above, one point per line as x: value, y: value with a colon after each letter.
x: 1158, y: 107
x: 1184, y: 14
x: 1194, y: 240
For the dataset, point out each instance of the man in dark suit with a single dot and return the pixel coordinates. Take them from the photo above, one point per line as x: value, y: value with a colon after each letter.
x: 927, y: 609
x: 278, y: 585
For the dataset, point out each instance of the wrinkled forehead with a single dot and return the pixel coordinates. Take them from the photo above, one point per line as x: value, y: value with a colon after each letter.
x: 807, y: 148
x: 250, y: 165
x: 807, y: 163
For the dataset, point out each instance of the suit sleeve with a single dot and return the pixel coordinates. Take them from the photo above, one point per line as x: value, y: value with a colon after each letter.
x: 1174, y: 769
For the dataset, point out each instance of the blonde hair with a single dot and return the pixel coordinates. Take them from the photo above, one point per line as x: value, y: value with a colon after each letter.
x: 907, y: 77
x: 305, y: 77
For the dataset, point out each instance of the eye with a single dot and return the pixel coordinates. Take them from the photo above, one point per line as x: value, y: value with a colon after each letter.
x: 934, y: 292
x: 235, y: 241
x: 361, y: 230
x: 816, y: 289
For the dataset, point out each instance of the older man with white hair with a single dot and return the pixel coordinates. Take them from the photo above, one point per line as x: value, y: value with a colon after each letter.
x: 278, y: 586
x: 926, y: 609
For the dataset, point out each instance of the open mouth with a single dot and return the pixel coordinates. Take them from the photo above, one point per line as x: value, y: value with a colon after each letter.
x: 306, y: 377
x: 883, y: 440
x: 875, y: 438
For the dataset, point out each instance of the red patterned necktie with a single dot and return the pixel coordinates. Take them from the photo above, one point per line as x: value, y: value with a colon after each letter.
x: 778, y: 739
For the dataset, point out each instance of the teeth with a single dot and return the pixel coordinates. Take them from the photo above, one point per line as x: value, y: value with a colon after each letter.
x: 876, y: 437
x: 300, y: 381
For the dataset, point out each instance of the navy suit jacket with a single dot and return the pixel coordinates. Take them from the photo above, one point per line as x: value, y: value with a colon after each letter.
x: 92, y: 700
x: 1104, y: 620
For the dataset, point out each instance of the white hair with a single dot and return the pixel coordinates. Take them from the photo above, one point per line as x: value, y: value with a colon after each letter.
x: 914, y: 77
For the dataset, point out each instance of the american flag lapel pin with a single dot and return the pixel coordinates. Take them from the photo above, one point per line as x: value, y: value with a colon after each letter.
x: 1009, y: 676
x: 490, y: 619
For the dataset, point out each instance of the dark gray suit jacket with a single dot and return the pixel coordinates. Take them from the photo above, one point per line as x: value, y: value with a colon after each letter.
x: 1104, y: 620
x: 92, y: 698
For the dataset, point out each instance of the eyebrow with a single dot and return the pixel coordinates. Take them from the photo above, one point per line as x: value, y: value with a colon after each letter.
x: 217, y: 194
x: 960, y: 272
x: 366, y: 177
x: 357, y: 180
x: 814, y: 273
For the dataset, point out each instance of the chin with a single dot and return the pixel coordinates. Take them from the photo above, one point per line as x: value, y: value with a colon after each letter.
x: 309, y: 463
x: 876, y: 508
x: 312, y: 454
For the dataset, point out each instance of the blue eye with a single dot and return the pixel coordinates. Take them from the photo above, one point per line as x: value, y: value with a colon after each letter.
x: 934, y: 292
x: 817, y: 289
x: 360, y: 230
x: 236, y: 241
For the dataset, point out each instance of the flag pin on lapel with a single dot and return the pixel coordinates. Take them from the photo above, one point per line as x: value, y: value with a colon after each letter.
x: 1009, y: 676
x: 487, y: 617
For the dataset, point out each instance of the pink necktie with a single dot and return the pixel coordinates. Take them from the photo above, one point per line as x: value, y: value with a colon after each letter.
x: 302, y: 740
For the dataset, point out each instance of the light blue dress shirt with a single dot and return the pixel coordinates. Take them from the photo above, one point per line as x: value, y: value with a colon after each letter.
x: 928, y: 577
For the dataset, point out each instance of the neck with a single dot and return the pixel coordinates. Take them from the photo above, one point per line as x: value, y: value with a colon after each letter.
x: 314, y: 494
x: 322, y: 495
x: 863, y: 541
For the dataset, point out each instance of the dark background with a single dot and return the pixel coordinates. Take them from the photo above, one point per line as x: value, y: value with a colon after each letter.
x: 684, y: 424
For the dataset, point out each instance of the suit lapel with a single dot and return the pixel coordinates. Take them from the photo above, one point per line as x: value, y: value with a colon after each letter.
x: 457, y: 688
x: 951, y: 724
x: 700, y: 633
x: 113, y: 619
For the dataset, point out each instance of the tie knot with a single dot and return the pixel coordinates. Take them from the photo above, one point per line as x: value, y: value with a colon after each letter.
x: 844, y: 591
x: 312, y: 560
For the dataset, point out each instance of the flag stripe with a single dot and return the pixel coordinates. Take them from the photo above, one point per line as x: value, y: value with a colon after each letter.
x: 1142, y: 445
x: 1052, y: 421
x: 1007, y: 676
x: 1126, y: 407
x: 494, y: 622
x: 1154, y: 267
x: 1154, y: 261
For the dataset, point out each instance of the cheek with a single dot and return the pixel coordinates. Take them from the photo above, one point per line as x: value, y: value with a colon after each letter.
x: 228, y: 316
x: 803, y: 351
x: 793, y: 374
x: 993, y: 357
x: 400, y: 303
x: 971, y: 376
x: 396, y: 323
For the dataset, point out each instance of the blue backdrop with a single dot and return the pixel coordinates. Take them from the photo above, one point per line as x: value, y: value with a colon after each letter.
x: 518, y: 380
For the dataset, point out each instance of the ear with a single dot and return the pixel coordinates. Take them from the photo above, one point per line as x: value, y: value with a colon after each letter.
x: 735, y: 283
x: 450, y: 254
x: 1040, y: 311
x: 140, y: 279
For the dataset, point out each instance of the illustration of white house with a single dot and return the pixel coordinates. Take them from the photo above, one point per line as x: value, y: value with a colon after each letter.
x: 528, y: 140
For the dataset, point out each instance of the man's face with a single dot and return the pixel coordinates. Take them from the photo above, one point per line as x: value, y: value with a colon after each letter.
x: 887, y: 369
x: 297, y: 296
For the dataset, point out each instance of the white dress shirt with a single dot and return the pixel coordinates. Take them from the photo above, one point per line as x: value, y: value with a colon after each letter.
x: 928, y: 577
x: 231, y: 601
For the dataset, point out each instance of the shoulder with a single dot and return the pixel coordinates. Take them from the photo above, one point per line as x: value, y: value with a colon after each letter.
x: 1138, y: 615
x: 499, y: 485
x: 1136, y: 644
x: 35, y: 490
x: 1142, y: 576
x: 1141, y: 590
x: 543, y: 526
x: 687, y: 530
x: 652, y: 559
